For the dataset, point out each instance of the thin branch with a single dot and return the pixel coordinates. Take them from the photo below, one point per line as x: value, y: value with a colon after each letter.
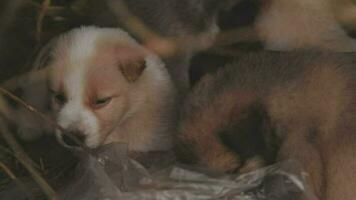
x: 41, y: 14
x: 43, y: 117
x: 7, y: 171
x: 168, y: 46
x: 5, y: 150
x: 3, y: 106
x: 244, y: 34
x: 225, y: 51
x: 9, y: 152
x: 28, y: 77
x: 25, y: 161
x: 162, y: 46
x: 12, y: 176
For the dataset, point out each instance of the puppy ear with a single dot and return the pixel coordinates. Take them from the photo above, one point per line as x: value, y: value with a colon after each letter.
x: 132, y: 70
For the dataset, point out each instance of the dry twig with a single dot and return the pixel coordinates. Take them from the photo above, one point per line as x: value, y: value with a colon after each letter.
x: 43, y: 117
x: 166, y: 47
x: 41, y: 14
x: 7, y: 171
x: 25, y: 160
x: 25, y: 78
x: 12, y: 176
x: 244, y: 34
x: 163, y: 46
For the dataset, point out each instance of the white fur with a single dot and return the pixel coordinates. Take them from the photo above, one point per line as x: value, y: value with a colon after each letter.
x: 74, y: 115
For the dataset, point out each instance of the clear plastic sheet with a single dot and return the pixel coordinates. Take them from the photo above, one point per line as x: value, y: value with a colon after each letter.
x: 111, y: 175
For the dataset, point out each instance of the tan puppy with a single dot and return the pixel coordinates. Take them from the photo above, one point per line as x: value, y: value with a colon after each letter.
x: 345, y: 13
x: 303, y: 101
x: 302, y: 24
x: 106, y: 87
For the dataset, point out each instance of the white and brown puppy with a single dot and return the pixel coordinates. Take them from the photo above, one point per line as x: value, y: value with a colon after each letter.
x: 107, y: 88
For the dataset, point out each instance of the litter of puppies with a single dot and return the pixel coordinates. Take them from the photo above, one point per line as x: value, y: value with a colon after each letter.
x: 160, y: 99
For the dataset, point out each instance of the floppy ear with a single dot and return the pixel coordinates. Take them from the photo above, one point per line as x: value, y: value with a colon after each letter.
x: 132, y: 70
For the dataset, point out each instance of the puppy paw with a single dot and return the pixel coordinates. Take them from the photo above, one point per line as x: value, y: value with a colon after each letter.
x: 252, y: 164
x: 220, y: 162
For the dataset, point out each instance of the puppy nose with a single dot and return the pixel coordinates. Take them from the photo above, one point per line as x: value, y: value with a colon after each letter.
x: 73, y: 138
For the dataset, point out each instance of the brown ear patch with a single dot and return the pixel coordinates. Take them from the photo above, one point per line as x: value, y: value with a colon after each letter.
x: 132, y: 70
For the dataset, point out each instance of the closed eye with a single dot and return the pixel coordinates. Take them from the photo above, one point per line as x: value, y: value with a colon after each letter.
x: 58, y: 97
x: 101, y: 102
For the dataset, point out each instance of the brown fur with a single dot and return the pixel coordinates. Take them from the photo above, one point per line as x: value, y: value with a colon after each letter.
x: 310, y: 102
x: 345, y: 13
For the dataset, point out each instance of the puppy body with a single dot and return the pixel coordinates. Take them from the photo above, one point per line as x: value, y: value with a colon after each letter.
x: 108, y: 88
x: 302, y: 24
x: 306, y: 102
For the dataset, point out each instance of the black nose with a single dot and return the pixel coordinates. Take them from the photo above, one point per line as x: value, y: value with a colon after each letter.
x: 74, y: 139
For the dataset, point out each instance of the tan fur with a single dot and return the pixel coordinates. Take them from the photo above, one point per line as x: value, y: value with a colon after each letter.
x: 317, y: 102
x: 310, y: 100
x: 345, y: 13
x: 302, y: 24
x: 217, y: 156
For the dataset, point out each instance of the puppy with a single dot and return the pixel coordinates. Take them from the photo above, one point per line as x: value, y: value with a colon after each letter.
x: 302, y: 24
x: 345, y: 13
x: 107, y: 88
x: 277, y: 106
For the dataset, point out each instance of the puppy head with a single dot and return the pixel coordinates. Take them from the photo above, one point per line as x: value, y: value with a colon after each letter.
x: 94, y: 72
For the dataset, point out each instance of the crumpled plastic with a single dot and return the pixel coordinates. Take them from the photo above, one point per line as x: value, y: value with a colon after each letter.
x: 109, y: 174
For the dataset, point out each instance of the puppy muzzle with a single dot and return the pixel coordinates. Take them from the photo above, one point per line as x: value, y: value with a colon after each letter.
x: 71, y: 139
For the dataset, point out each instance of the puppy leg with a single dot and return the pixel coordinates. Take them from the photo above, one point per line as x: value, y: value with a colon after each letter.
x: 297, y: 146
x: 199, y: 139
x: 341, y: 170
x: 199, y: 145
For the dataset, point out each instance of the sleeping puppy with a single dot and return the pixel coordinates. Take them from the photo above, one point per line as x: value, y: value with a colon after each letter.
x: 303, y: 24
x: 274, y: 106
x: 107, y: 88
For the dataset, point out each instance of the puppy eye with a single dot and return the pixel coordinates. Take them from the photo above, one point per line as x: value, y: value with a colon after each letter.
x: 99, y: 103
x: 59, y: 98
